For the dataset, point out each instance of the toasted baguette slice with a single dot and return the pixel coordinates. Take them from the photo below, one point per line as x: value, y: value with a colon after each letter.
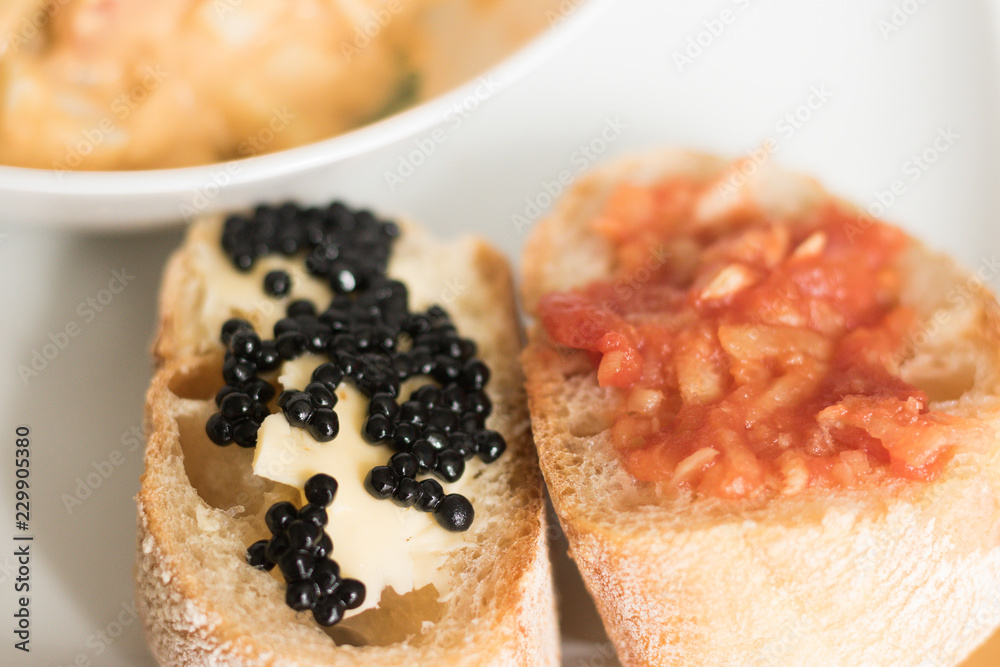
x: 200, y: 505
x: 898, y: 573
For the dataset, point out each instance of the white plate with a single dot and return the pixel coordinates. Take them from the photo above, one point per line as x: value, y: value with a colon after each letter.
x: 890, y: 98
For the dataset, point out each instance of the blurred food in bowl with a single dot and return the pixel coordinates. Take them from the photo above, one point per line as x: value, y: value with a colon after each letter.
x: 136, y: 84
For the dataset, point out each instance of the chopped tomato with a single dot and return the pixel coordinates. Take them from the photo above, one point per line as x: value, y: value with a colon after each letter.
x: 759, y: 354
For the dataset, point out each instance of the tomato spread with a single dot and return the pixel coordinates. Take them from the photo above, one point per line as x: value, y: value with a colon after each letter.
x: 752, y: 353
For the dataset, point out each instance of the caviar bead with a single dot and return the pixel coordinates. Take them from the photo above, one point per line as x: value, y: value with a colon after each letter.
x: 277, y: 283
x: 454, y: 513
x: 328, y: 611
x: 326, y: 574
x: 475, y: 375
x: 343, y: 279
x: 321, y: 396
x: 324, y: 425
x: 259, y: 391
x: 468, y: 348
x: 381, y: 482
x: 463, y: 444
x: 386, y: 383
x: 279, y: 515
x: 351, y: 593
x: 316, y: 263
x: 230, y: 327
x: 478, y: 403
x: 428, y: 396
x: 302, y: 595
x: 296, y: 566
x: 290, y: 345
x: 431, y: 494
x: 348, y: 362
x: 320, y: 489
x: 453, y: 349
x: 404, y: 465
x: 243, y: 261
x: 259, y: 413
x: 235, y: 405
x: 225, y: 391
x: 489, y: 445
x: 417, y: 323
x: 390, y: 229
x: 453, y: 398
x: 323, y: 548
x: 288, y: 241
x: 471, y: 423
x: 257, y: 556
x: 450, y: 465
x: 363, y: 337
x: 298, y: 410
x: 424, y: 454
x: 336, y: 318
x: 406, y: 435
x: 268, y: 358
x: 445, y: 328
x: 235, y: 228
x: 383, y: 404
x: 277, y: 547
x: 446, y: 369
x: 384, y: 338
x: 301, y: 307
x: 407, y: 492
x: 244, y: 344
x: 401, y: 365
x: 237, y: 371
x: 411, y: 412
x: 286, y: 396
x: 245, y: 433
x: 421, y: 362
x: 219, y: 430
x: 342, y: 342
x: 301, y: 534
x: 377, y: 429
x: 374, y: 374
x: 314, y: 514
x: 316, y: 338
x: 286, y: 325
x: 329, y: 374
x: 437, y: 439
x: 261, y: 243
x: 442, y: 419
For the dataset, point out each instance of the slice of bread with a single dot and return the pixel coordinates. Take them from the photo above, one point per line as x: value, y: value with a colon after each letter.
x: 201, y: 506
x: 891, y: 573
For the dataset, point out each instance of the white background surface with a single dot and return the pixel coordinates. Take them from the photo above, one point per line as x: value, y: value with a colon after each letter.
x: 890, y: 95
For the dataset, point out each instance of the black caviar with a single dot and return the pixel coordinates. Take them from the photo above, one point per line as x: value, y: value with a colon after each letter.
x: 372, y: 339
x: 277, y: 283
x: 301, y: 548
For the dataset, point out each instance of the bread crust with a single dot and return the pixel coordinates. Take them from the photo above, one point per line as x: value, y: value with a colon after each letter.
x: 890, y: 574
x: 201, y: 603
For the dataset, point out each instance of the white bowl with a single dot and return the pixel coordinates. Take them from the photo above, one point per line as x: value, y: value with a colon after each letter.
x: 107, y: 200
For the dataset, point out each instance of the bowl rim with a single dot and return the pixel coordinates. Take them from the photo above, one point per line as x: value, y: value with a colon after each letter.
x: 303, y: 158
